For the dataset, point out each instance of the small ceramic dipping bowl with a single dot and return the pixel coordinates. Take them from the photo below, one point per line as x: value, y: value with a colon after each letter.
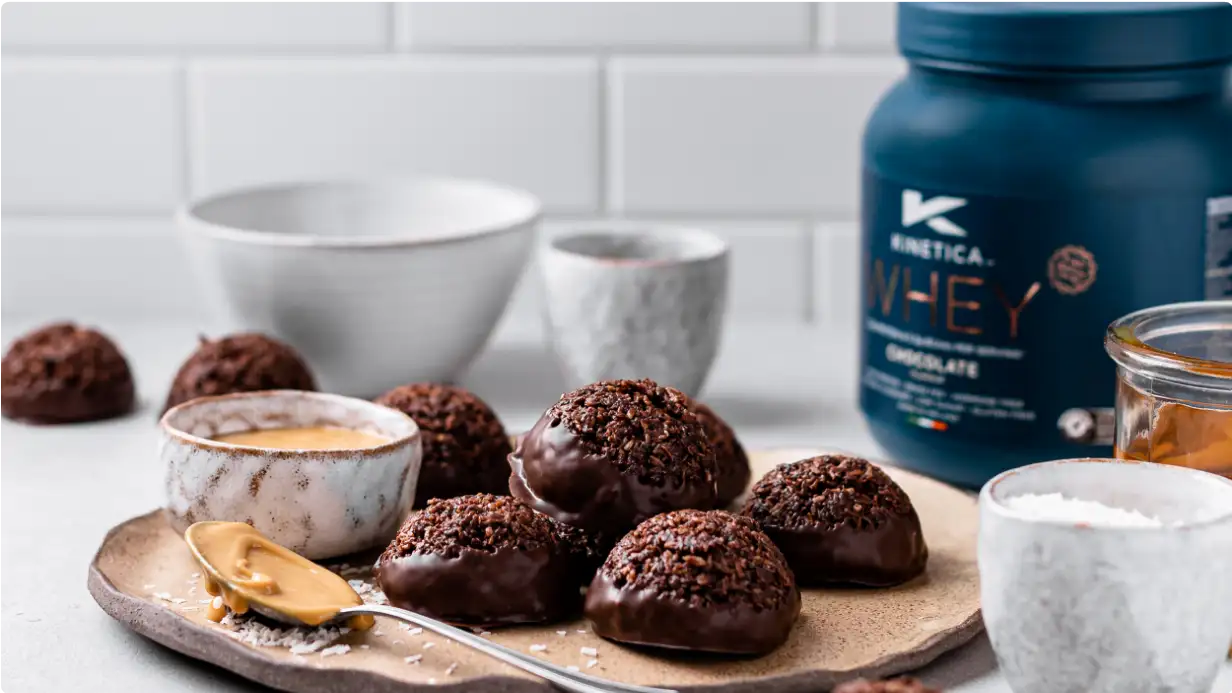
x: 1079, y: 602
x: 319, y: 503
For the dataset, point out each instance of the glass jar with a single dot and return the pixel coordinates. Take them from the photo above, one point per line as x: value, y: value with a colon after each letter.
x: 1174, y: 385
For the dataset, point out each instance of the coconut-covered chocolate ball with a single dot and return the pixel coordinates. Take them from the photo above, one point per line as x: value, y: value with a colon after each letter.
x: 65, y: 373
x: 239, y: 363
x: 480, y: 560
x: 695, y: 580
x: 903, y: 684
x: 609, y: 455
x: 587, y: 549
x: 731, y: 463
x: 840, y: 520
x: 465, y: 448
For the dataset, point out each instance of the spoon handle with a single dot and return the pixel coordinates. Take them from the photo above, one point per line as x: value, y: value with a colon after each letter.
x: 574, y: 682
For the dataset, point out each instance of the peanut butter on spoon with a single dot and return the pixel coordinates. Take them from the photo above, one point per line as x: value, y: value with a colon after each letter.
x: 245, y: 569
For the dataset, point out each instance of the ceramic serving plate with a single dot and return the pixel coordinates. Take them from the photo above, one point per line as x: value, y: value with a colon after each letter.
x: 143, y: 568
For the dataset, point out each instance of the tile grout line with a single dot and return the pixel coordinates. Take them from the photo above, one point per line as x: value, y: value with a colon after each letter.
x: 613, y: 154
x: 184, y: 137
x: 810, y: 272
x: 603, y: 143
x: 392, y: 16
x: 814, y: 14
x: 826, y: 27
x: 242, y: 53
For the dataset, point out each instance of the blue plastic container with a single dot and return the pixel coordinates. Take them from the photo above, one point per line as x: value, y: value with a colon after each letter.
x: 1042, y: 170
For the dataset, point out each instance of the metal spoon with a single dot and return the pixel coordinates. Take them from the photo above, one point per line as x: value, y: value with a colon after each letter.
x: 562, y: 678
x: 574, y: 682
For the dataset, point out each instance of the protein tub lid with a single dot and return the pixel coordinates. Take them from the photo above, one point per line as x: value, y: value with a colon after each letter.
x: 1076, y: 36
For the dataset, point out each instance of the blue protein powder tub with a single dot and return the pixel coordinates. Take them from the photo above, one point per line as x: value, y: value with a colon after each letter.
x: 1041, y: 170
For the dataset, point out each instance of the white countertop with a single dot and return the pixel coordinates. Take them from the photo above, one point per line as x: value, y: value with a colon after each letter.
x: 63, y: 487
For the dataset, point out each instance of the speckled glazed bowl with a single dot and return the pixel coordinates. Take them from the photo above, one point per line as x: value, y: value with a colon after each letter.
x: 319, y: 503
x: 1084, y: 606
x: 646, y: 304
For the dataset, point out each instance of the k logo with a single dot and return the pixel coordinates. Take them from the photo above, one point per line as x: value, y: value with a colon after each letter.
x: 917, y: 209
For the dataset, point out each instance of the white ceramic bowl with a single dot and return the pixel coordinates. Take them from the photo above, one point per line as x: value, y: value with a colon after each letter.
x: 376, y: 283
x: 1084, y: 606
x: 319, y: 503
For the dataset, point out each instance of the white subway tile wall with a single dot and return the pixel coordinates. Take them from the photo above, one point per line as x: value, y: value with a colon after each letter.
x: 744, y: 118
x: 614, y: 26
x: 194, y: 26
x: 532, y: 122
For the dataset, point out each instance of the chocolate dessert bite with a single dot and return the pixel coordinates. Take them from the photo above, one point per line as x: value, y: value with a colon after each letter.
x: 588, y: 550
x: 64, y: 373
x: 731, y: 463
x: 840, y: 520
x: 480, y: 560
x: 903, y: 684
x: 695, y: 580
x: 239, y: 363
x: 611, y: 454
x: 465, y: 448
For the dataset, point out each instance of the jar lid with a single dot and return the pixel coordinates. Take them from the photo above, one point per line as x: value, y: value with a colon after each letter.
x: 1079, y: 36
x: 1184, y: 343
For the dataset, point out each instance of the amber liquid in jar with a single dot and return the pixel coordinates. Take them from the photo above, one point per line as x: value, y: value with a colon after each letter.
x: 1167, y: 431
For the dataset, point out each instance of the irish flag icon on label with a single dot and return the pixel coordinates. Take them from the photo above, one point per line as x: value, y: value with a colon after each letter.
x: 925, y: 422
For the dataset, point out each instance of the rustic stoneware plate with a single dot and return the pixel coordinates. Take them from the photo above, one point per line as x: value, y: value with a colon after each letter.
x: 143, y: 568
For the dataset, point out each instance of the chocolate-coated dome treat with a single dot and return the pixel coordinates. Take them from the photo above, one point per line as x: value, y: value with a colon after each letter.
x: 609, y: 455
x: 239, y: 363
x: 587, y: 549
x: 64, y: 373
x: 840, y: 519
x: 731, y: 463
x: 695, y: 580
x: 465, y: 448
x: 903, y: 684
x: 480, y: 560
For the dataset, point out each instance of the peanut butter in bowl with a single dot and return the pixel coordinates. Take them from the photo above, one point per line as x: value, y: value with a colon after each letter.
x: 304, y: 438
x: 323, y: 475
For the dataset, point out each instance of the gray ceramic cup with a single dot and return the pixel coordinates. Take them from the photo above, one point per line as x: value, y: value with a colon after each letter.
x: 636, y: 305
x: 1079, y: 607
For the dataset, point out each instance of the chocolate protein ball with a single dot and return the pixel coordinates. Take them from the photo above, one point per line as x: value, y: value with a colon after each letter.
x: 465, y: 448
x: 588, y: 550
x: 609, y: 455
x: 695, y: 580
x: 904, y: 684
x: 731, y: 463
x: 480, y: 560
x: 841, y: 520
x: 239, y: 363
x: 64, y: 373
